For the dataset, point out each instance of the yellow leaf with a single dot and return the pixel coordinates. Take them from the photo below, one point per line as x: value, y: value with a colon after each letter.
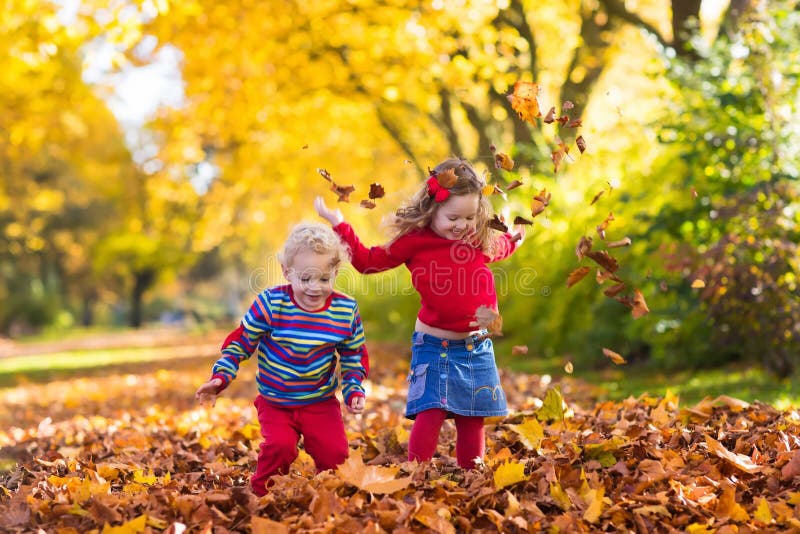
x: 509, y: 473
x: 530, y: 433
x: 699, y: 528
x: 552, y: 407
x: 595, y: 509
x: 373, y: 478
x: 144, y: 478
x: 727, y: 507
x: 435, y: 517
x: 763, y: 513
x: 614, y: 356
x: 698, y: 284
x: 560, y: 496
x: 134, y: 526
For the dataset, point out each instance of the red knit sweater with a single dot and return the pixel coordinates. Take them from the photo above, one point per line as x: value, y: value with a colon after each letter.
x: 451, y: 277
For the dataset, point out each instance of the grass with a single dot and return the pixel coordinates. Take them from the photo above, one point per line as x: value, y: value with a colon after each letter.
x: 742, y: 382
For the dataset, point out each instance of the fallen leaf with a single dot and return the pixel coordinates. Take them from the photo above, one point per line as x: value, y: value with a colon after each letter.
x: 509, y: 473
x: 530, y: 433
x: 738, y: 460
x: 373, y: 478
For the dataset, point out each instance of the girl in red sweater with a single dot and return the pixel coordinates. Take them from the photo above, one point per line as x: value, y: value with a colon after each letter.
x: 443, y: 238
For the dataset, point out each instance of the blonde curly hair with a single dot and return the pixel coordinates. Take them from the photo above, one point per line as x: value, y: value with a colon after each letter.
x: 418, y: 212
x: 316, y: 237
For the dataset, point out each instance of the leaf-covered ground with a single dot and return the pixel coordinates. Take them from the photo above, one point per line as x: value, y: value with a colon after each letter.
x: 131, y: 452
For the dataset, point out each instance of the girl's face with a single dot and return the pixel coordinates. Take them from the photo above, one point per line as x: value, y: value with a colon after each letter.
x: 456, y: 217
x: 311, y: 277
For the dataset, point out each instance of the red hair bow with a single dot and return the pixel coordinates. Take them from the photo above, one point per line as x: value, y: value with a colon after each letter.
x: 436, y: 190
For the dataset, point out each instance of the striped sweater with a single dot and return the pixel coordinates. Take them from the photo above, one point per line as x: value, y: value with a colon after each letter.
x: 297, y: 349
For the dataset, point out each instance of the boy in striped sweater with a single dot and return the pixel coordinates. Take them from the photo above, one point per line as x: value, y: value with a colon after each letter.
x: 296, y: 331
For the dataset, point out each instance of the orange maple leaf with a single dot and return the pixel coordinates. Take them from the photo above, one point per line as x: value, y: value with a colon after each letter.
x: 525, y: 100
x: 447, y: 179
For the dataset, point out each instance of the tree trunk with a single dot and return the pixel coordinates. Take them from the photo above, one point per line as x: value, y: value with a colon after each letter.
x: 142, y: 280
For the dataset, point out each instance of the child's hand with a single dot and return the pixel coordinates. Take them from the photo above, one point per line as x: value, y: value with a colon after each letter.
x: 332, y: 216
x: 207, y: 393
x: 356, y: 405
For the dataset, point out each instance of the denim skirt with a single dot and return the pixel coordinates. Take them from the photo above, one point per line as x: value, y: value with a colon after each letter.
x: 458, y: 376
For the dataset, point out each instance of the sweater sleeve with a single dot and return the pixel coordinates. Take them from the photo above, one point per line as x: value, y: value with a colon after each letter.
x: 354, y: 360
x: 369, y: 260
x: 505, y: 246
x: 242, y: 342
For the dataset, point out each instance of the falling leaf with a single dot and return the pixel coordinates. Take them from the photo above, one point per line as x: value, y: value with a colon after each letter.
x: 540, y: 201
x: 567, y: 105
x: 516, y: 350
x: 513, y: 185
x: 525, y: 100
x: 568, y: 368
x: 369, y: 204
x: 492, y: 189
x: 509, y: 473
x: 604, y: 260
x: 603, y: 276
x: 558, y: 154
x: 551, y: 116
x: 601, y: 228
x: 522, y: 220
x: 694, y: 192
x: 552, y: 406
x: 698, y: 284
x: 325, y: 174
x: 614, y: 356
x: 372, y: 478
x: 305, y: 147
x: 584, y: 245
x: 640, y: 308
x: 616, y: 289
x: 624, y: 242
x: 376, y: 191
x: 577, y: 275
x: 575, y: 123
x: 496, y: 223
x: 342, y: 191
x: 503, y: 161
x: 597, y: 196
x: 581, y: 143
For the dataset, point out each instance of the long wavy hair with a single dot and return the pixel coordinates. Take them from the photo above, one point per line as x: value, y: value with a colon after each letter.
x: 418, y: 212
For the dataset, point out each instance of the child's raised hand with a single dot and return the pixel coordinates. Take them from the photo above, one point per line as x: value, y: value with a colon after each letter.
x: 206, y: 394
x: 356, y: 405
x: 332, y: 216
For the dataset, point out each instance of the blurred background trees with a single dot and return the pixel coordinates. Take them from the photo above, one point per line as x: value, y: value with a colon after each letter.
x: 689, y: 110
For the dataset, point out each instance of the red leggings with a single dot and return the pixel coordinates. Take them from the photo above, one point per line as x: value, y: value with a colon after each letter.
x: 322, y: 429
x: 470, y: 441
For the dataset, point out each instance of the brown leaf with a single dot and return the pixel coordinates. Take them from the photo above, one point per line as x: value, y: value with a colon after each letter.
x: 489, y: 319
x: 640, y: 308
x: 614, y: 290
x: 614, y: 356
x: 519, y: 349
x: 342, y: 191
x: 513, y: 185
x: 376, y: 191
x: 624, y: 242
x: 577, y: 275
x: 584, y: 245
x: 601, y: 228
x: 325, y: 174
x: 374, y: 479
x: 581, y: 144
x: 263, y: 525
x: 540, y: 201
x: 522, y: 220
x: 447, y: 179
x: 503, y: 161
x: 597, y: 196
x: 369, y: 204
x: 738, y: 460
x: 604, y: 260
x: 551, y: 116
x: 574, y: 123
x: 497, y: 223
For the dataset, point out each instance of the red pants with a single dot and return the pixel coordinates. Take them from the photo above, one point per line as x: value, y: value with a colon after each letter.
x: 322, y: 429
x: 470, y: 441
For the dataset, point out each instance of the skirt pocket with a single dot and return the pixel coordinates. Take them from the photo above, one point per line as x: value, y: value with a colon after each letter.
x: 416, y: 381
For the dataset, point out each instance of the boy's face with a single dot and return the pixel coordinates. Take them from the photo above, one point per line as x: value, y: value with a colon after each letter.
x: 311, y: 277
x: 456, y: 217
